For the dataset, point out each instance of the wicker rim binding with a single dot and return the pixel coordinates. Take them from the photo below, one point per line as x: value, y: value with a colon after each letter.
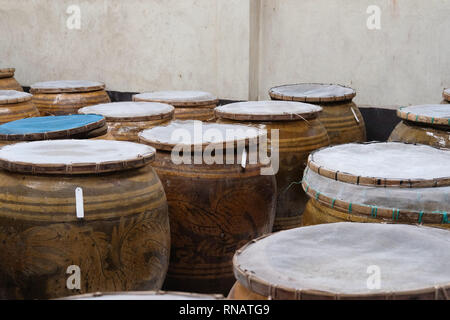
x: 267, y: 117
x: 233, y: 144
x: 374, y: 181
x: 208, y: 104
x: 446, y: 94
x: 144, y: 293
x: 410, y: 116
x: 264, y: 288
x: 7, y: 72
x: 346, y: 97
x: 60, y: 134
x: 78, y: 168
x: 25, y: 97
x: 388, y: 214
x: 161, y: 116
x: 80, y: 89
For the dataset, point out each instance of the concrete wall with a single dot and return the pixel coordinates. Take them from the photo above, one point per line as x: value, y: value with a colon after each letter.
x: 407, y: 61
x: 132, y: 45
x: 236, y: 49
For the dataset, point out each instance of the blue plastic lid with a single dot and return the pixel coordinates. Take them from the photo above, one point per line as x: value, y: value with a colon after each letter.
x: 69, y: 124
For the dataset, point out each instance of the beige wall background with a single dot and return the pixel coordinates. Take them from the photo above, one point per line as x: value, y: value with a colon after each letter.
x: 236, y: 49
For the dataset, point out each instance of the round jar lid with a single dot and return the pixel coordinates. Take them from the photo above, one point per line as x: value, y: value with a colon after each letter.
x: 74, y: 156
x: 178, y: 98
x: 52, y: 127
x: 13, y: 96
x: 131, y: 111
x: 268, y: 111
x: 388, y: 164
x: 446, y: 94
x: 435, y: 114
x: 334, y: 261
x: 193, y: 133
x: 313, y: 92
x: 7, y: 72
x: 68, y: 86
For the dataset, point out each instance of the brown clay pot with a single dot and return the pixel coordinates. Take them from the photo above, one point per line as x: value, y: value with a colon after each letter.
x: 66, y: 97
x: 121, y: 244
x: 7, y: 81
x: 299, y: 134
x: 214, y: 209
x: 423, y: 124
x: 126, y: 119
x: 340, y: 116
x: 189, y: 105
x: 15, y: 105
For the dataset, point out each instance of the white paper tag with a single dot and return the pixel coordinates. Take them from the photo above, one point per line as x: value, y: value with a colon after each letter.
x: 354, y: 113
x: 244, y: 158
x: 79, y: 203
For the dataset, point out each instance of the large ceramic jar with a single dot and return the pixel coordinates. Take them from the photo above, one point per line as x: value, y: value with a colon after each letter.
x: 339, y: 261
x: 378, y: 182
x: 54, y: 98
x: 424, y: 124
x: 80, y: 216
x: 216, y: 204
x: 340, y: 116
x: 15, y: 105
x: 189, y: 105
x: 299, y: 133
x: 127, y: 119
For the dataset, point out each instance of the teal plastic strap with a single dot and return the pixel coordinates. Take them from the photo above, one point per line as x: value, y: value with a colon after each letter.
x: 350, y: 208
x: 432, y: 120
x: 417, y: 118
x: 420, y: 216
x: 444, y: 217
x: 317, y: 195
x: 332, y: 203
x: 395, y: 214
x: 374, y: 211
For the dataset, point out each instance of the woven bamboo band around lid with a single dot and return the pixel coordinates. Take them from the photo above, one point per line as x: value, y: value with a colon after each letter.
x: 70, y: 157
x: 52, y: 127
x: 429, y: 206
x: 334, y: 261
x: 313, y: 92
x: 179, y: 98
x: 193, y: 133
x: 13, y: 96
x: 446, y: 94
x: 131, y: 111
x: 144, y: 295
x: 67, y: 86
x: 268, y: 111
x: 434, y: 114
x: 7, y: 72
x: 388, y: 164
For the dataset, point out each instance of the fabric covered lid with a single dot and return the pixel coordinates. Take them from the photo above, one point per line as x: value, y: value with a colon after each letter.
x: 435, y: 114
x: 74, y: 156
x: 68, y: 86
x: 337, y: 260
x: 197, y: 133
x: 131, y: 111
x: 313, y: 92
x: 383, y: 164
x: 178, y: 98
x: 52, y: 127
x: 13, y: 96
x: 268, y: 111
